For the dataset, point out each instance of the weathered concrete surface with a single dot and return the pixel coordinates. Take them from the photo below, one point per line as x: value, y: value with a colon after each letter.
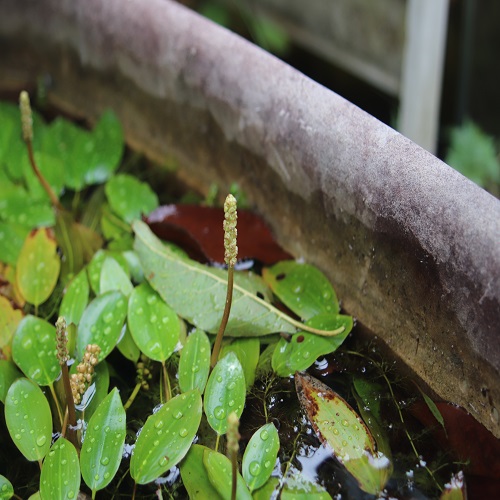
x: 412, y: 247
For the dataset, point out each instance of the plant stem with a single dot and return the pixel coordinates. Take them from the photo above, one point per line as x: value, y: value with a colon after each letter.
x: 166, y: 383
x: 225, y: 317
x: 56, y: 401
x: 130, y: 400
x: 70, y: 405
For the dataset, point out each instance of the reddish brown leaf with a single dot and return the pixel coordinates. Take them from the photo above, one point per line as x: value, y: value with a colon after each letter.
x: 198, y: 230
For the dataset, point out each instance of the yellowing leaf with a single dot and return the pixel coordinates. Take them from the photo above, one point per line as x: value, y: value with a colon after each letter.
x: 9, y: 319
x: 38, y: 266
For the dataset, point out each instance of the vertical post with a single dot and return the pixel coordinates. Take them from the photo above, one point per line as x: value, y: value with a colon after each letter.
x: 420, y: 96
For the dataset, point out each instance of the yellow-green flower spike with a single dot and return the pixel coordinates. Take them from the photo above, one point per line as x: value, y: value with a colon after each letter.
x: 62, y: 341
x: 26, y: 116
x: 230, y: 232
x: 233, y: 435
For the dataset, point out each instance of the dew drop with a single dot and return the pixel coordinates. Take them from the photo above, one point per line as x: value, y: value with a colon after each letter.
x: 159, y: 424
x: 178, y: 415
x: 153, y: 318
x: 139, y: 310
x: 219, y: 412
x: 264, y: 435
x: 71, y: 494
x: 254, y: 468
x: 104, y: 460
x: 183, y: 433
x: 219, y: 379
x: 163, y: 461
x: 306, y: 354
x: 108, y: 318
x: 231, y: 386
x: 345, y: 423
x: 41, y: 440
x: 335, y: 431
x: 27, y: 343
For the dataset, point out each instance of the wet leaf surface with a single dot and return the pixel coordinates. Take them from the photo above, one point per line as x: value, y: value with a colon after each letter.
x: 6, y: 488
x: 194, y: 363
x: 198, y: 293
x: 102, y: 322
x: 38, y: 267
x: 103, y: 444
x: 8, y: 374
x: 11, y: 238
x: 113, y: 277
x: 75, y: 298
x: 247, y: 351
x: 128, y: 347
x: 338, y: 425
x: 34, y: 350
x: 9, y: 320
x: 166, y: 437
x: 303, y: 288
x: 28, y: 418
x: 260, y: 456
x: 225, y: 392
x: 153, y: 324
x: 199, y: 230
x: 95, y: 266
x: 60, y: 477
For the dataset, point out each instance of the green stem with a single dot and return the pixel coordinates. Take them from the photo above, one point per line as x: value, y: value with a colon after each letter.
x: 217, y: 442
x: 70, y: 403
x: 234, y: 483
x: 225, y: 317
x: 56, y: 401
x: 166, y: 383
x: 130, y: 400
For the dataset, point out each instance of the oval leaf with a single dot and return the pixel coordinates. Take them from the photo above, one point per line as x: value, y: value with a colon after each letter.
x: 194, y: 363
x: 103, y: 444
x: 302, y: 349
x: 130, y: 198
x: 75, y: 299
x: 12, y: 238
x: 28, y: 418
x: 113, y: 277
x: 60, y: 477
x: 9, y: 320
x: 34, y: 349
x: 260, y: 456
x: 102, y: 323
x: 303, y: 288
x: 38, y: 266
x: 166, y: 437
x: 195, y: 477
x: 225, y: 392
x: 128, y: 347
x: 6, y: 488
x: 153, y: 324
x: 247, y: 351
x: 8, y: 373
x: 220, y: 474
x: 338, y: 425
x: 95, y: 267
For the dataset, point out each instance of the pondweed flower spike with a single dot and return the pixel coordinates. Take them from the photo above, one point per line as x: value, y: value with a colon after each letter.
x: 230, y: 254
x: 63, y: 358
x: 27, y: 126
x: 233, y: 436
x: 85, y: 371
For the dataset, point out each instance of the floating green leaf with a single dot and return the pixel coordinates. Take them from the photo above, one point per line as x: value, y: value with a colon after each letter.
x: 195, y: 476
x: 198, y: 293
x: 38, y: 267
x: 9, y: 319
x: 6, y: 488
x: 75, y: 299
x: 8, y: 373
x: 302, y: 349
x: 12, y: 238
x: 102, y: 322
x: 28, y: 418
x: 260, y: 456
x: 34, y: 350
x: 153, y: 324
x: 60, y: 477
x: 297, y: 487
x: 220, y: 474
x: 225, y: 392
x: 103, y: 444
x: 337, y: 424
x: 166, y: 437
x: 247, y: 351
x: 194, y: 363
x: 128, y: 347
x: 303, y: 288
x: 113, y: 277
x: 130, y: 198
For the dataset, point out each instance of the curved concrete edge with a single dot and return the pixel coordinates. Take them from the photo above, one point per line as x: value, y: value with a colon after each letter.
x: 412, y: 247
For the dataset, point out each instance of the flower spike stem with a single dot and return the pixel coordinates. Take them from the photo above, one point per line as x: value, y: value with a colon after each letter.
x: 230, y: 254
x: 27, y: 126
x: 233, y: 437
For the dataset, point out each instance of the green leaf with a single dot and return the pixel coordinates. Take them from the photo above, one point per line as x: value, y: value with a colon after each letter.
x: 8, y: 374
x: 195, y: 476
x: 220, y: 474
x: 269, y: 490
x: 128, y: 347
x: 113, y: 277
x: 75, y: 299
x: 103, y: 444
x: 102, y: 323
x: 130, y: 198
x: 194, y: 363
x: 60, y: 477
x: 153, y: 324
x: 298, y: 487
x: 12, y: 238
x: 337, y: 424
x: 34, y: 349
x: 38, y: 267
x: 302, y: 349
x: 105, y: 150
x: 101, y: 381
x: 198, y: 293
x: 166, y: 437
x: 260, y: 456
x: 433, y: 409
x: 17, y: 208
x: 303, y: 288
x: 28, y: 418
x: 224, y: 393
x: 52, y: 170
x: 6, y: 488
x: 9, y: 320
x: 95, y: 267
x: 247, y: 351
